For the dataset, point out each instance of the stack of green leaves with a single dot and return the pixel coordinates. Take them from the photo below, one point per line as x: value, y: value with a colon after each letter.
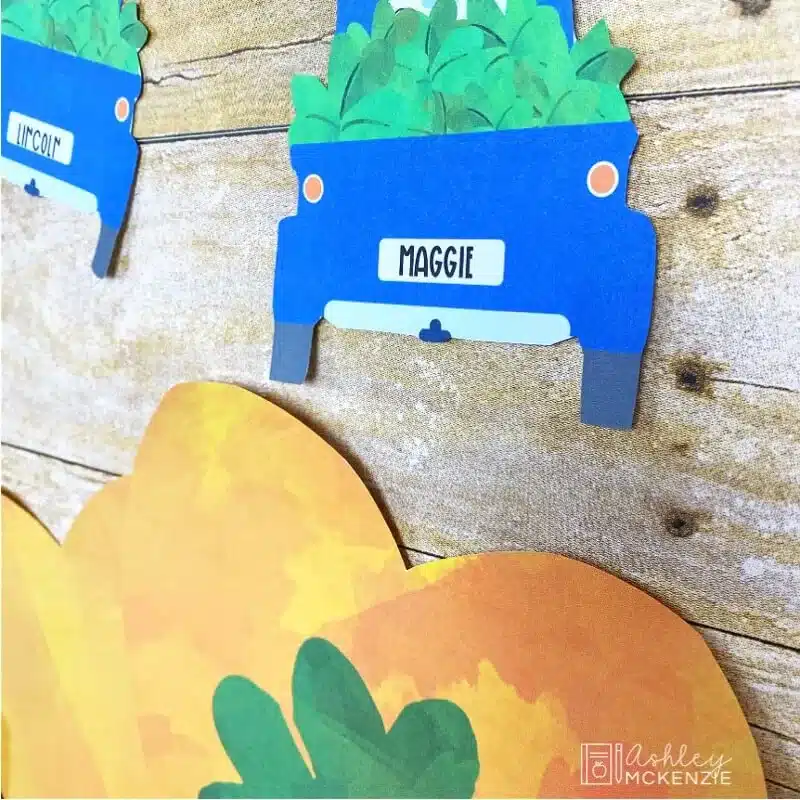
x: 429, y: 751
x: 98, y: 30
x: 418, y: 75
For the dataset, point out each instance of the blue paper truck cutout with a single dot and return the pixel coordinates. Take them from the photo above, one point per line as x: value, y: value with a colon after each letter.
x: 503, y: 236
x: 67, y: 134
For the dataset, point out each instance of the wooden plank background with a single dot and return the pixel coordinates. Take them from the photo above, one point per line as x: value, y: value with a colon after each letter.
x: 467, y: 446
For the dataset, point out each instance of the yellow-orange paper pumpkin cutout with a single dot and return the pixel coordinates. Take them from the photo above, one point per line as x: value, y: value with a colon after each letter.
x: 241, y: 533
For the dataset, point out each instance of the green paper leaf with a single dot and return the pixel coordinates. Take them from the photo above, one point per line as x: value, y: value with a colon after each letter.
x: 409, y: 25
x: 91, y: 50
x: 130, y: 61
x: 485, y: 16
x: 419, y: 119
x: 447, y: 777
x: 358, y: 35
x: 344, y: 59
x: 135, y: 35
x: 377, y: 65
x: 411, y: 58
x: 20, y: 20
x: 310, y: 95
x: 62, y: 42
x: 442, y: 74
x: 480, y: 111
x: 460, y: 41
x: 468, y: 116
x: 382, y: 19
x: 596, y: 42
x: 389, y: 116
x: 459, y: 61
x: 442, y: 20
x: 256, y: 737
x: 313, y: 128
x: 60, y: 12
x: 577, y: 106
x: 518, y: 115
x: 444, y: 15
x: 558, y: 78
x: 426, y: 730
x: 541, y: 40
x: 374, y: 71
x: 128, y: 14
x: 532, y: 88
x: 98, y: 30
x: 610, y: 68
x: 595, y: 58
x: 517, y: 16
x: 335, y: 714
x: 612, y: 106
x: 430, y: 751
x: 437, y: 110
x: 223, y: 791
x: 498, y: 81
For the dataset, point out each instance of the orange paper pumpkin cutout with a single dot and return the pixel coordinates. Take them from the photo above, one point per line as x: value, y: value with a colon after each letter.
x: 239, y: 536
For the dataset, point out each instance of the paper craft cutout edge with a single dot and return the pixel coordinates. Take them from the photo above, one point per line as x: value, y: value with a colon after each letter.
x: 592, y: 274
x: 95, y: 103
x: 217, y: 461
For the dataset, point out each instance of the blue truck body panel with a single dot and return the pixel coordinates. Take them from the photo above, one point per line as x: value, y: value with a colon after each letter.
x: 580, y: 258
x: 361, y: 11
x: 567, y: 252
x: 79, y: 96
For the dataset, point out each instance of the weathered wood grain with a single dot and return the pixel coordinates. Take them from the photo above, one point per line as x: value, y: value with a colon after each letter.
x: 780, y: 757
x: 700, y: 504
x: 221, y: 65
x: 765, y: 678
x: 53, y: 491
x: 779, y: 792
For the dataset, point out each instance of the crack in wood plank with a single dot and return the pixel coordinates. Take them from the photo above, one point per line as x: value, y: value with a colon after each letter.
x: 755, y: 385
x: 178, y: 76
x: 262, y: 48
x: 780, y: 757
x: 712, y: 628
x: 780, y: 791
x: 712, y: 91
x: 790, y: 739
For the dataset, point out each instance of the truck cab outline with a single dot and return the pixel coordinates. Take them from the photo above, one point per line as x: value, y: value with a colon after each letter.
x: 95, y: 103
x: 578, y: 262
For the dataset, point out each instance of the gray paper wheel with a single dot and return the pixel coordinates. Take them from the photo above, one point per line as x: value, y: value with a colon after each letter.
x: 609, y: 388
x: 104, y: 252
x: 291, y: 352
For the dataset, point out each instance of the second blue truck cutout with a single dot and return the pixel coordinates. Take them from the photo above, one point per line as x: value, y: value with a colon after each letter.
x: 505, y: 235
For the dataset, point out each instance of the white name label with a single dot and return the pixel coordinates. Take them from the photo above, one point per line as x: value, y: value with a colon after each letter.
x: 478, y: 261
x: 39, y: 137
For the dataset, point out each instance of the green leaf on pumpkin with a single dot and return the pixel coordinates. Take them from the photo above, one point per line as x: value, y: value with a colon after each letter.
x: 430, y: 751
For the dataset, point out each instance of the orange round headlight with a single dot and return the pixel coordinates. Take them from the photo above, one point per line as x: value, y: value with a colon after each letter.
x: 122, y: 108
x: 313, y: 188
x: 602, y: 179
